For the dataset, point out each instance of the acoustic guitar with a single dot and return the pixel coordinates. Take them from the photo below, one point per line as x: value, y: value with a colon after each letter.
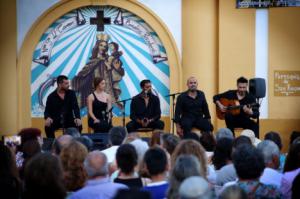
x: 233, y: 107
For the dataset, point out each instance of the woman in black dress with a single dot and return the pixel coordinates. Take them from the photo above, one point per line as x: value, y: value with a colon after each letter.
x: 99, y: 107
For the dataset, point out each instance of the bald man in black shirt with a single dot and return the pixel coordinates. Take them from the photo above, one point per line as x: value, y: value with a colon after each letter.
x: 192, y: 110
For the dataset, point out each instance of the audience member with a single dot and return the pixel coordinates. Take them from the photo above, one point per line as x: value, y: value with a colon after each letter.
x: 72, y: 131
x: 30, y: 148
x: 291, y: 168
x: 61, y: 142
x: 249, y: 133
x: 224, y: 132
x: 184, y: 167
x: 195, y: 187
x: 86, y: 141
x: 9, y: 180
x: 116, y: 136
x: 249, y: 165
x: 98, y: 185
x: 275, y: 137
x: 27, y: 134
x: 233, y: 192
x: 294, y: 135
x: 295, y: 187
x: 169, y: 142
x: 72, y: 157
x: 208, y: 141
x: 191, y: 147
x: 241, y: 140
x: 222, y: 161
x: 157, y: 167
x: 132, y: 194
x: 271, y: 156
x: 141, y: 147
x: 44, y: 178
x: 127, y: 160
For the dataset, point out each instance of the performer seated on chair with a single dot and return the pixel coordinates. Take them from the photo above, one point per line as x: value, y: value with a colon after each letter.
x: 99, y: 106
x: 236, y: 106
x: 145, y: 110
x: 192, y: 110
x: 62, y: 109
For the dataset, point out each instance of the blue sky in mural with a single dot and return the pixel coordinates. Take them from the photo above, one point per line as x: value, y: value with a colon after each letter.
x: 71, y: 50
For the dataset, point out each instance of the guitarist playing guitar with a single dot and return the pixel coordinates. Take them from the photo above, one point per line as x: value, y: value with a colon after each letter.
x: 237, y: 107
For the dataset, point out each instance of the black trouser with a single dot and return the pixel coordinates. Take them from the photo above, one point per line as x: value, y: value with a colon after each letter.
x: 187, y: 123
x: 240, y: 121
x: 133, y: 125
x: 101, y: 127
x: 50, y: 130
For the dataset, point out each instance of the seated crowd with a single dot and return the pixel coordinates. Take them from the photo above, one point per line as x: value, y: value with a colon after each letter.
x: 202, y: 165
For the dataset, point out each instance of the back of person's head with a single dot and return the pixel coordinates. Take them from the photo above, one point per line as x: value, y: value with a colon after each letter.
x: 191, y: 147
x: 72, y: 131
x: 132, y: 194
x: 248, y: 162
x: 61, y: 142
x: 29, y: 134
x: 7, y: 166
x: 44, y: 178
x: 127, y: 158
x: 86, y: 141
x: 208, y: 141
x: 249, y: 133
x: 30, y: 148
x: 294, y: 135
x: 295, y: 187
x: 292, y: 161
x: 170, y: 142
x: 270, y: 152
x: 72, y: 157
x: 117, y: 135
x: 156, y: 161
x: 9, y: 180
x: 275, y: 137
x: 96, y: 164
x: 222, y: 153
x: 241, y: 140
x: 224, y: 132
x: 195, y: 187
x: 233, y: 192
x: 241, y: 80
x: 184, y: 167
x: 192, y: 136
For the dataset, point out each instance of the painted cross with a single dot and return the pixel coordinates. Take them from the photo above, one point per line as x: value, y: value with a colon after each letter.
x: 100, y: 20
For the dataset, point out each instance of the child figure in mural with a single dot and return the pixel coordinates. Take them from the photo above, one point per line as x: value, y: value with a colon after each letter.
x: 101, y: 64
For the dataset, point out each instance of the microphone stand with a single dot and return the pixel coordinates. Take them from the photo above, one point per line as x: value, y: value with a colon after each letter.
x: 123, y: 111
x: 173, y: 95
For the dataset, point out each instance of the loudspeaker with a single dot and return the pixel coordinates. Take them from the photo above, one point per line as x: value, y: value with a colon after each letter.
x: 257, y: 87
x: 100, y: 140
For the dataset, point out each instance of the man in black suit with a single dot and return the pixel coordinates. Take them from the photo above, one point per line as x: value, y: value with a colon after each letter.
x: 145, y: 109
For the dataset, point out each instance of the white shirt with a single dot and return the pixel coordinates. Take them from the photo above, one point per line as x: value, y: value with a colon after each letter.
x: 111, y: 153
x: 271, y: 177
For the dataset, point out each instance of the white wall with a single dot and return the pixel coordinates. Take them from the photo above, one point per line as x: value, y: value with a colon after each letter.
x: 28, y: 12
x: 169, y: 11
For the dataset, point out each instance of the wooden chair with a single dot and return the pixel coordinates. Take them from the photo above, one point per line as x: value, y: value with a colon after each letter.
x: 145, y: 132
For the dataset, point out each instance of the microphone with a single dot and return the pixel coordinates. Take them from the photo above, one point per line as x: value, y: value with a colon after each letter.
x: 146, y: 93
x: 103, y: 115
